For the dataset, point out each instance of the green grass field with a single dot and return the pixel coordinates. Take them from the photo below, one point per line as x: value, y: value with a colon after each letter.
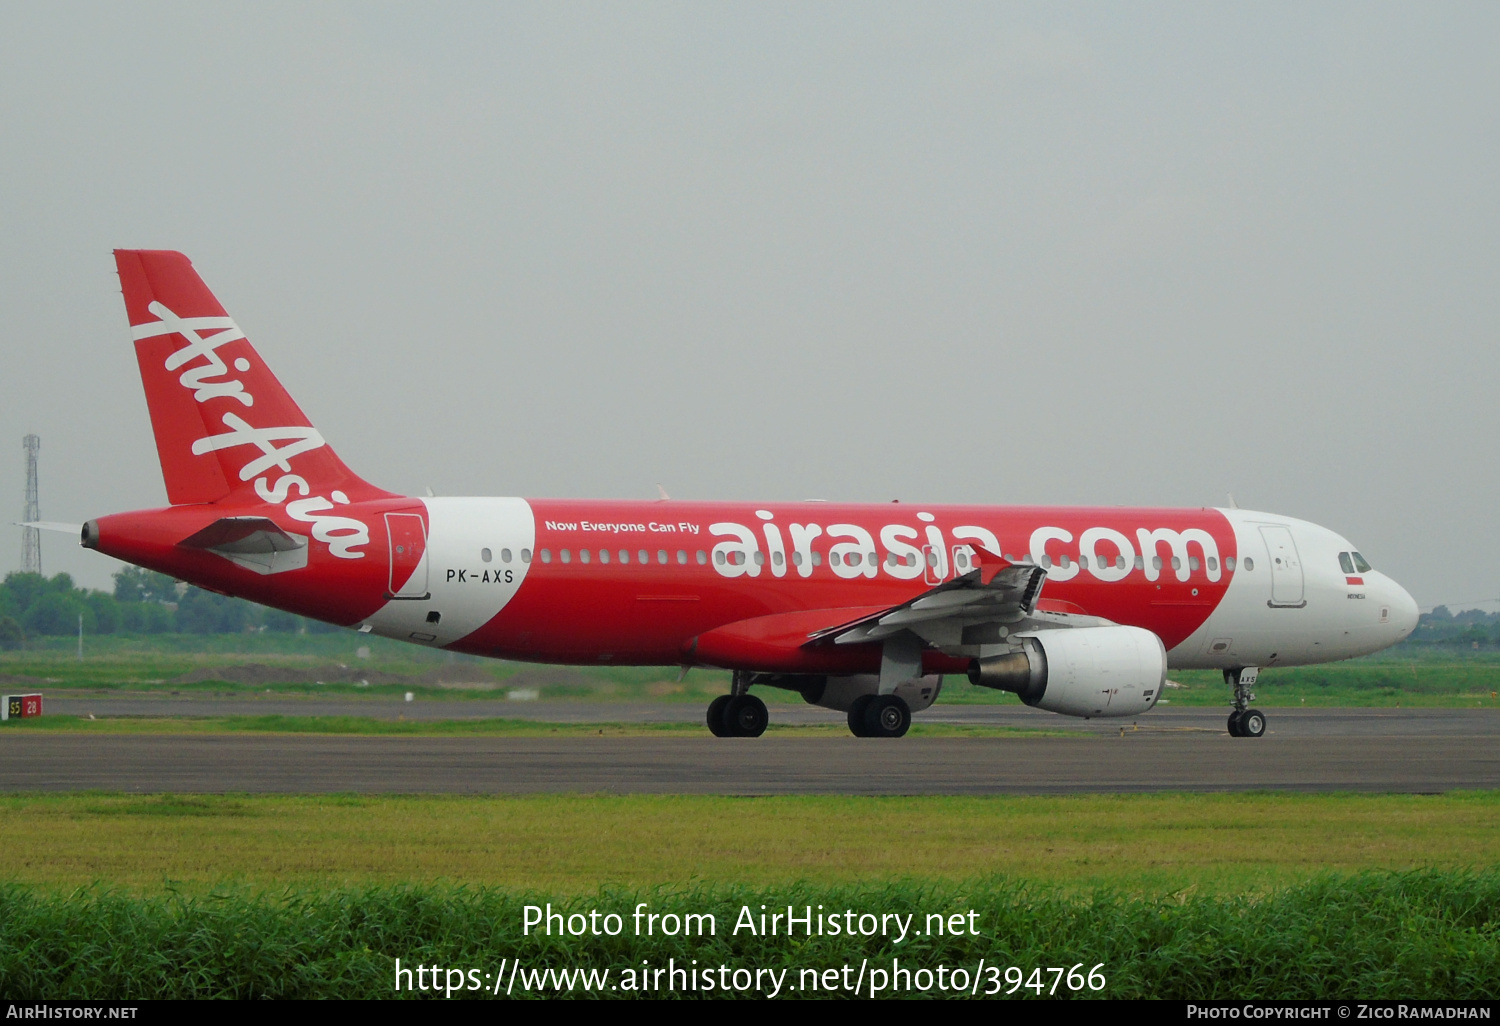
x: 1185, y: 896
x: 1220, y: 843
x: 1170, y: 896
x: 1426, y: 935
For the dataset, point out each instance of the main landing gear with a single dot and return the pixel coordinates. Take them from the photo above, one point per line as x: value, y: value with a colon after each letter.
x: 737, y: 716
x: 879, y: 716
x: 745, y: 715
x: 1244, y: 721
x: 739, y: 713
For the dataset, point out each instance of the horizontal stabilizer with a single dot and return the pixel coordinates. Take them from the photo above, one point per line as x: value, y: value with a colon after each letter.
x: 254, y: 543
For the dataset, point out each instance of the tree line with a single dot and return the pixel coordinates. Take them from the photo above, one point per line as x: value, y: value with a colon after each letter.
x: 143, y: 602
x: 1471, y: 629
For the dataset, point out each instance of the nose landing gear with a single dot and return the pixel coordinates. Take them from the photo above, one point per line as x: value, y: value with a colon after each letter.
x: 1244, y: 721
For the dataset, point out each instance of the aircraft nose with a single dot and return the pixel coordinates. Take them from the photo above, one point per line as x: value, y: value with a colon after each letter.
x: 1404, y: 614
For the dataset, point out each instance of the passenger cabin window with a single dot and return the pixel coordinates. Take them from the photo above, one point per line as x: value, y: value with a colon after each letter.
x: 485, y: 555
x: 505, y: 555
x: 604, y: 555
x: 682, y: 557
x: 1249, y: 563
x: 583, y: 556
x: 702, y: 558
x: 526, y: 555
x: 1229, y: 563
x: 661, y: 556
x: 546, y: 555
x: 644, y: 555
x: 1346, y: 562
x: 624, y: 555
x: 566, y: 555
x: 1360, y: 564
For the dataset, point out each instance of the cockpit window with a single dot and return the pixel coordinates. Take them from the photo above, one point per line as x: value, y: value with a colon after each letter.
x: 1360, y: 564
x: 1346, y: 562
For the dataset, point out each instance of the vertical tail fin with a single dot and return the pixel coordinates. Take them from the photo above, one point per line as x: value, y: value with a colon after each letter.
x: 224, y: 425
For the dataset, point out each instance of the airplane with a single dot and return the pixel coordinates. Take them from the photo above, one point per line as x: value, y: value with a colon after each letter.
x: 859, y: 608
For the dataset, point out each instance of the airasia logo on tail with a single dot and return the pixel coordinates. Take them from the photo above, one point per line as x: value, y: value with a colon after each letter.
x: 211, y: 379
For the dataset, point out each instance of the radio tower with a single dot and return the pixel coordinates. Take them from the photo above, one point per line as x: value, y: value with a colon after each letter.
x: 31, y: 538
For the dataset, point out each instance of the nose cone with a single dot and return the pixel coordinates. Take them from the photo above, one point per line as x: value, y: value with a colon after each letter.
x: 1404, y: 613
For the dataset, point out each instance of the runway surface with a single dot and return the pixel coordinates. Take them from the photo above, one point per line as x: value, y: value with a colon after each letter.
x: 1284, y: 722
x: 1397, y: 750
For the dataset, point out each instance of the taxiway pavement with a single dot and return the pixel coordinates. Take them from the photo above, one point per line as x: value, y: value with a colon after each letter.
x: 1396, y: 750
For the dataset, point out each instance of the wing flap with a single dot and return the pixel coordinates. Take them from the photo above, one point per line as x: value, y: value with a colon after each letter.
x: 995, y: 591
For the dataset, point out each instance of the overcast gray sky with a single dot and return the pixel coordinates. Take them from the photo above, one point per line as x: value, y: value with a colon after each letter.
x: 1024, y: 253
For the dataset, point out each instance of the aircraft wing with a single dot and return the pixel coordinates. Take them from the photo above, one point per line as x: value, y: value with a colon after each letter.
x: 997, y: 594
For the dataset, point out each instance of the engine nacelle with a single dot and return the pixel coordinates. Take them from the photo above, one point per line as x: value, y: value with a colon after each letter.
x: 1080, y: 671
x: 840, y: 692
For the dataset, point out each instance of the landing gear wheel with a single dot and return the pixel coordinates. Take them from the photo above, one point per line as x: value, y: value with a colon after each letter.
x: 857, y: 715
x: 1252, y: 723
x: 717, y: 725
x: 887, y: 716
x: 1234, y: 723
x: 746, y: 716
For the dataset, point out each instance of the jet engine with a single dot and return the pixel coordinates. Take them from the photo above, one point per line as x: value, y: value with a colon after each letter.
x: 1080, y: 671
x: 839, y: 692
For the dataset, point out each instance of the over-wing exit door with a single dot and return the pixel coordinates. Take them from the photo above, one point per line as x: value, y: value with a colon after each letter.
x: 408, y: 537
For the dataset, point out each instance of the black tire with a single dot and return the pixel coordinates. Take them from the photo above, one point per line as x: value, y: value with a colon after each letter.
x: 887, y: 716
x: 746, y: 716
x: 1234, y: 723
x: 857, y: 715
x: 718, y: 726
x: 1252, y: 723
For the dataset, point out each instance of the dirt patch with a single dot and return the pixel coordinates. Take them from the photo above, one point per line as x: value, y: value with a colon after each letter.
x: 543, y: 676
x: 457, y: 675
x: 261, y: 674
x: 464, y: 676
